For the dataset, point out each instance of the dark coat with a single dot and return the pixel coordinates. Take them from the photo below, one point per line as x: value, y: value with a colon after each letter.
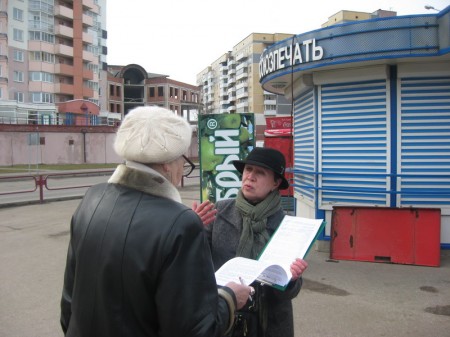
x: 139, y: 265
x: 223, y: 236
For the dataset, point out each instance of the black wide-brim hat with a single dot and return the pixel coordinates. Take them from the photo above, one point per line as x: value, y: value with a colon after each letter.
x: 268, y: 158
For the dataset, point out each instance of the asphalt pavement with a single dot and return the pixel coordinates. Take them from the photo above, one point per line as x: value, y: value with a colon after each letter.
x: 339, y: 298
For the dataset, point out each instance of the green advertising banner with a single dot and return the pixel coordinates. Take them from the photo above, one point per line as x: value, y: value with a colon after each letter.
x: 222, y: 139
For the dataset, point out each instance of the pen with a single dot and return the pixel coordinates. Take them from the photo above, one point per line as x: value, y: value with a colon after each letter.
x: 252, y: 291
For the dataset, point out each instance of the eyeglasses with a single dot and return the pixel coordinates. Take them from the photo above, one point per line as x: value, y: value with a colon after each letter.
x: 188, y: 166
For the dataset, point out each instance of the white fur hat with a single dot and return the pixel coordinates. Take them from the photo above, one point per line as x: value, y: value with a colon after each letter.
x: 152, y: 135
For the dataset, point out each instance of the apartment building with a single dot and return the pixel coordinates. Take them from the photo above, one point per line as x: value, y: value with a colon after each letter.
x: 132, y: 86
x: 231, y: 83
x: 346, y: 16
x: 52, y: 61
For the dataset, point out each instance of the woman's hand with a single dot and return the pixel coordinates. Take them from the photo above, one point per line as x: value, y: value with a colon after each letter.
x: 205, y: 211
x: 297, y: 268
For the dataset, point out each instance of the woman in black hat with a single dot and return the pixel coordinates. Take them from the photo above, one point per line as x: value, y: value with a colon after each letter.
x: 243, y: 227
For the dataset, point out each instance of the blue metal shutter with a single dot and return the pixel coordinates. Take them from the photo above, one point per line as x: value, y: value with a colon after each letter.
x: 304, y: 146
x: 354, y: 143
x: 424, y: 155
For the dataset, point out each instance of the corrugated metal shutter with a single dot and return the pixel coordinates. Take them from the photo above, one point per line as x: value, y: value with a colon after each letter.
x: 304, y: 146
x: 354, y: 143
x: 424, y: 155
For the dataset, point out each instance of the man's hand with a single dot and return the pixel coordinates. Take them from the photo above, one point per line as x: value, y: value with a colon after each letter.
x: 242, y: 293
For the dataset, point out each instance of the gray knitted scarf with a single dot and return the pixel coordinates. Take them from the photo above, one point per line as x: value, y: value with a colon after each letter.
x: 254, y: 234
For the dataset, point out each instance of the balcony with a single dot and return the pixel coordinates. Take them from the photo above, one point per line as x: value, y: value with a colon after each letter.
x: 61, y: 49
x: 39, y: 86
x: 88, y: 74
x: 62, y: 11
x: 270, y: 112
x: 88, y: 56
x: 242, y: 95
x: 91, y: 4
x: 270, y: 102
x: 65, y: 31
x: 231, y: 108
x: 242, y: 105
x: 88, y: 92
x: 63, y: 69
x: 241, y: 66
x: 41, y: 66
x: 231, y: 80
x: 39, y: 46
x: 87, y: 38
x: 241, y: 85
x: 241, y: 57
x: 223, y: 85
x: 88, y: 20
x: 241, y: 76
x: 64, y: 88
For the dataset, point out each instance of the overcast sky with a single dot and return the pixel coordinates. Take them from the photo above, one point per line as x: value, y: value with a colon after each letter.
x: 180, y: 38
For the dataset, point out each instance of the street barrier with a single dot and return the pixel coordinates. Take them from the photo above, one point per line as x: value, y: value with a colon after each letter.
x: 29, y: 183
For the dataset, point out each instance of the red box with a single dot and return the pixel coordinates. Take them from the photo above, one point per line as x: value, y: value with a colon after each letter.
x: 384, y: 234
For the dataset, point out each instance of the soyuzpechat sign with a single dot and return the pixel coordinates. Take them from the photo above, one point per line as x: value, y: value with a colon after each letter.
x: 222, y: 139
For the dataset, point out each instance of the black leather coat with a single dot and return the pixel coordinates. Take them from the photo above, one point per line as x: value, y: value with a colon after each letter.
x: 139, y: 265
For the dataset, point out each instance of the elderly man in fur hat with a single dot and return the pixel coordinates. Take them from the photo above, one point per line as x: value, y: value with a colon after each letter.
x: 138, y: 263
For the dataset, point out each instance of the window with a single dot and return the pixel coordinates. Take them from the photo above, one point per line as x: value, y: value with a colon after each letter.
x: 35, y: 56
x: 38, y: 76
x: 18, y: 35
x: 17, y: 14
x: 47, y: 57
x: 42, y: 97
x: 18, y: 55
x: 152, y: 92
x: 18, y: 96
x: 91, y: 85
x: 42, y: 56
x: 18, y: 76
x: 42, y: 36
x: 111, y: 90
x: 160, y: 91
x: 93, y: 67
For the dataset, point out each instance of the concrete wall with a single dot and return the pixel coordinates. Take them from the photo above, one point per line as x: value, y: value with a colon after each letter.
x: 23, y: 145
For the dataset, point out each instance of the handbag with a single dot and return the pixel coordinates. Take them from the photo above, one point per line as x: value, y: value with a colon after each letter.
x: 248, y: 321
